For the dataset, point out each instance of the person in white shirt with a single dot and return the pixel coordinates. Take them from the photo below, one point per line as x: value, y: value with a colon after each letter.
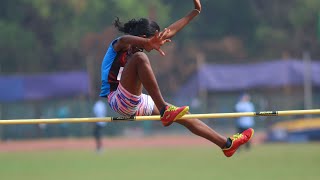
x: 243, y: 123
x: 99, y: 110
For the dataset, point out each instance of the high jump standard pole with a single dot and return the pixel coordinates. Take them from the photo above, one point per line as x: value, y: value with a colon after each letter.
x: 157, y: 117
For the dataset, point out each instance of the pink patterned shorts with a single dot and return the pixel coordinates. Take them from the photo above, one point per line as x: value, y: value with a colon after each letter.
x: 127, y: 104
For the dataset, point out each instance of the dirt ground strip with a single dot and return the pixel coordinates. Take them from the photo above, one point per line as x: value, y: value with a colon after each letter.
x: 109, y: 143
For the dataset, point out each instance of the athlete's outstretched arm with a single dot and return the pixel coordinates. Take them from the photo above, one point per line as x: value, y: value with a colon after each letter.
x: 155, y: 42
x: 181, y: 23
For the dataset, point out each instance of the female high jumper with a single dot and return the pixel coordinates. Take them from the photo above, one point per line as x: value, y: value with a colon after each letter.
x: 126, y: 70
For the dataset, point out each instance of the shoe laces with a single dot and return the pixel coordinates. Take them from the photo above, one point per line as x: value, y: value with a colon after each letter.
x: 172, y: 108
x: 237, y: 136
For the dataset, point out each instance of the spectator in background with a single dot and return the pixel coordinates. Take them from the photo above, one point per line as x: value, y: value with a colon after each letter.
x: 99, y: 110
x: 243, y: 123
x: 64, y: 112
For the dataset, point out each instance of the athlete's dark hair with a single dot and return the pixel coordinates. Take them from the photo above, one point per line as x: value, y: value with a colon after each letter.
x: 138, y: 27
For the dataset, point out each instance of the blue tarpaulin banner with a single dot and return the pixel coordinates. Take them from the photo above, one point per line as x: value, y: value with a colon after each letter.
x: 43, y: 86
x: 235, y: 77
x: 209, y: 77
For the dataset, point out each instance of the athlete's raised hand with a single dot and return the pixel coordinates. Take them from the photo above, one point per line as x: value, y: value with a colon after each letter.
x: 156, y: 41
x: 181, y: 23
x: 197, y: 5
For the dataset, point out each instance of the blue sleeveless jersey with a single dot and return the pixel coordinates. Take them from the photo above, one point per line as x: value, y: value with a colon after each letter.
x: 112, y: 63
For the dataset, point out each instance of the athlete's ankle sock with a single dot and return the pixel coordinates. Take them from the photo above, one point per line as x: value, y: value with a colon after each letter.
x: 162, y: 110
x: 228, y: 143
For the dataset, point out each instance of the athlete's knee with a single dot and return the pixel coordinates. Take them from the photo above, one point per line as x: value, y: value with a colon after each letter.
x: 140, y: 57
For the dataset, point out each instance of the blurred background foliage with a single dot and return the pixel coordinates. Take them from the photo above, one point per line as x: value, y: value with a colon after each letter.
x: 64, y: 35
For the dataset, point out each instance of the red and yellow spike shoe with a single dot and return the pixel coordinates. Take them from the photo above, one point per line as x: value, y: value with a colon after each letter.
x: 237, y: 141
x: 173, y: 113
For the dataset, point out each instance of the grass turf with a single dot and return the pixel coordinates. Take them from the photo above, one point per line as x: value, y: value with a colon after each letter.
x: 270, y: 161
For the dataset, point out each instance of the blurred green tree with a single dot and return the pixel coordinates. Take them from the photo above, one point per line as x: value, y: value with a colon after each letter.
x: 52, y: 33
x: 286, y: 27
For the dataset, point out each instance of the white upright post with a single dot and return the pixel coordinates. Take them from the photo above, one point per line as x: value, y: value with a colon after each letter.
x: 307, y: 82
x: 203, y: 92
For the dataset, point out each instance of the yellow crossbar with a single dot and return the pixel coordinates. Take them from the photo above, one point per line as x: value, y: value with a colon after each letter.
x: 156, y: 117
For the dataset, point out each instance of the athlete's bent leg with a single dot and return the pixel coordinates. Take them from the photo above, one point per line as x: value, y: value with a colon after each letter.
x: 138, y: 72
x: 228, y: 145
x: 199, y: 128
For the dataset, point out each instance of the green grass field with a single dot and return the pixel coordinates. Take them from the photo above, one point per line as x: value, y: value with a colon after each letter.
x: 271, y: 161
